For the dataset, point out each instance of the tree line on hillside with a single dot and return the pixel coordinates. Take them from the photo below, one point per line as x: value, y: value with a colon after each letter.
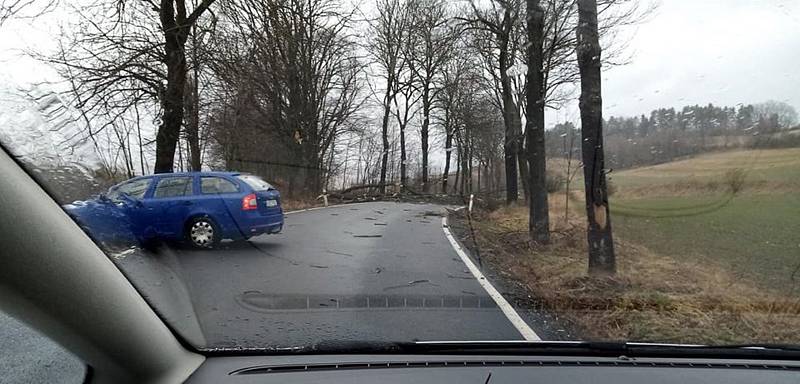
x: 317, y: 95
x: 668, y: 133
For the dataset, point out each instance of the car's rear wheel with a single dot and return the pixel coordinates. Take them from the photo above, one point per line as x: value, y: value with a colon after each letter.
x: 201, y: 232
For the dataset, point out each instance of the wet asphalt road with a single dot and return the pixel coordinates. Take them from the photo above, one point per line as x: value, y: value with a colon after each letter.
x: 26, y: 356
x: 380, y: 271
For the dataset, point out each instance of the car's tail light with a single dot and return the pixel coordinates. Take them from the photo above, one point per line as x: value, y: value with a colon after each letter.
x: 249, y: 202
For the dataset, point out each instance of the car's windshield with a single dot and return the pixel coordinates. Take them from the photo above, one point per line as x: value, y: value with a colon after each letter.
x: 276, y: 174
x: 132, y: 189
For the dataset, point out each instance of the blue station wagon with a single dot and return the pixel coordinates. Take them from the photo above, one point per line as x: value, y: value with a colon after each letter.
x: 201, y: 208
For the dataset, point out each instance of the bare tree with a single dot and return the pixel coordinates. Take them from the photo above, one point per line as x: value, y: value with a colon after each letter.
x: 538, y: 218
x: 501, y: 22
x: 404, y: 114
x: 461, y: 83
x: 114, y: 68
x: 431, y: 39
x: 126, y: 53
x: 289, y: 85
x: 176, y: 24
x: 386, y: 47
x: 601, y: 243
x: 192, y: 103
x: 448, y: 100
x: 24, y: 9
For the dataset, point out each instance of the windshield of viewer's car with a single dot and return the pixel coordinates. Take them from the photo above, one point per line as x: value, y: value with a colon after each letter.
x: 283, y: 174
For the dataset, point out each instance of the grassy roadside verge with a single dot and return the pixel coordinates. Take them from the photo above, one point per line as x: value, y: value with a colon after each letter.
x: 654, y: 297
x: 754, y: 237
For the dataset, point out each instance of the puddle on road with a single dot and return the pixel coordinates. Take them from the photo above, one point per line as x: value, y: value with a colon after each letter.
x: 257, y: 301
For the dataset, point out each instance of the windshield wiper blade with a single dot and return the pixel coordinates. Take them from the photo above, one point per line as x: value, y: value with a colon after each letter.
x: 755, y: 346
x: 532, y: 348
x: 613, y: 348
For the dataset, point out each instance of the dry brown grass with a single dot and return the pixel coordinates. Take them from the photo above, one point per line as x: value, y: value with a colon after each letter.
x: 695, y: 187
x: 652, y: 297
x: 711, y: 164
x: 764, y: 171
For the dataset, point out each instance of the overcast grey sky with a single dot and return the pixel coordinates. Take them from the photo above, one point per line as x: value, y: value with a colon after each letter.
x: 690, y: 51
x: 706, y: 51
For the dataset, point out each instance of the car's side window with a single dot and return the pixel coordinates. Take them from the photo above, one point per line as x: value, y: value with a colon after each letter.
x: 135, y: 189
x: 27, y: 356
x: 173, y: 187
x: 215, y: 185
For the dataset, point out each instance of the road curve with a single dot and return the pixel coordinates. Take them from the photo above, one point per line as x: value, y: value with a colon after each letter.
x: 381, y: 271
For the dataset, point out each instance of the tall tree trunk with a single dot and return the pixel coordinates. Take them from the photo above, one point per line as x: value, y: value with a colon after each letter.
x: 524, y: 174
x: 460, y: 151
x: 538, y: 215
x: 426, y: 119
x: 448, y: 149
x: 478, y: 185
x: 468, y: 176
x: 139, y: 137
x: 175, y: 25
x: 385, y: 135
x: 193, y: 121
x: 601, y: 244
x: 510, y: 145
x: 172, y: 102
x: 458, y: 174
x: 346, y: 161
x: 403, y: 159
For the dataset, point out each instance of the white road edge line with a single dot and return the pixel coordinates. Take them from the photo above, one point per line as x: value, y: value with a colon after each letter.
x: 512, y: 315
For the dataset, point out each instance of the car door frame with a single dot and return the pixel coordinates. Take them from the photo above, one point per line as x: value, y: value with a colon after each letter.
x: 70, y: 291
x: 225, y: 217
x: 167, y: 215
x: 136, y: 213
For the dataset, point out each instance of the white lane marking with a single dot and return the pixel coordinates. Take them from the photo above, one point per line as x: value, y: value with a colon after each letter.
x: 508, y: 310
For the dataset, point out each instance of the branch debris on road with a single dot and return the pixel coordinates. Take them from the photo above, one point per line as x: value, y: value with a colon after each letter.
x: 338, y: 253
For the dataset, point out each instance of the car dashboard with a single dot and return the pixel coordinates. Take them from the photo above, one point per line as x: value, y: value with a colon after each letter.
x: 489, y: 369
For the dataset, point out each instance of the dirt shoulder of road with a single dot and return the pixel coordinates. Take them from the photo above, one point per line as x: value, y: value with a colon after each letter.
x: 652, y: 298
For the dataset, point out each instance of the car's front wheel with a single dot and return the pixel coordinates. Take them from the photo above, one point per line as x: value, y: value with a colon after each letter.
x: 201, y: 232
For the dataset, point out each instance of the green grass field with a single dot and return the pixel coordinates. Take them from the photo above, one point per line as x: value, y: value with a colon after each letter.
x: 754, y: 233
